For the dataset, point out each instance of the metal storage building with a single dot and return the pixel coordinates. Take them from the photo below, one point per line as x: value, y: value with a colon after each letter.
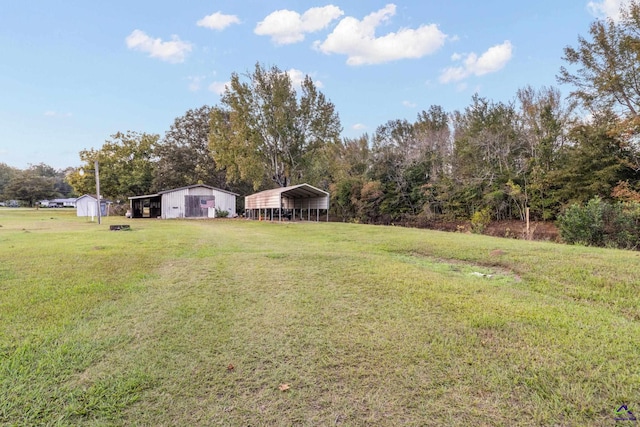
x: 294, y: 202
x: 193, y: 201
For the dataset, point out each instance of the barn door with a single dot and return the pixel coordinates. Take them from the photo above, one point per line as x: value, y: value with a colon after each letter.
x: 198, y: 206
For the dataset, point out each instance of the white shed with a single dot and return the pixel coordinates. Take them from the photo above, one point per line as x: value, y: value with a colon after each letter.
x: 87, y: 205
x: 194, y: 201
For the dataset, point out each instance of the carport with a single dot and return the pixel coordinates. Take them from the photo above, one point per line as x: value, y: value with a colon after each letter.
x: 293, y: 203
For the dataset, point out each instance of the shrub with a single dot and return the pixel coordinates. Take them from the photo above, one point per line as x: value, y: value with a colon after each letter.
x: 582, y: 224
x: 599, y: 223
x: 221, y: 213
x: 479, y: 220
x: 118, y: 209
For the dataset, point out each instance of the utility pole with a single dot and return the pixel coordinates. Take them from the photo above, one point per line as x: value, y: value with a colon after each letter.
x: 97, y: 188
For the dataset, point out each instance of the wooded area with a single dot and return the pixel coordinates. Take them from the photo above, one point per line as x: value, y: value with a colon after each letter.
x: 492, y: 160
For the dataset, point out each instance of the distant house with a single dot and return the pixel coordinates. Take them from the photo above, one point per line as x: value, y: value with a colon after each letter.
x: 87, y: 205
x: 58, y: 203
x: 193, y: 201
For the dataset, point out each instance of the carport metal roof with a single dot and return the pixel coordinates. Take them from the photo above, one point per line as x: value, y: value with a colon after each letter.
x: 298, y: 196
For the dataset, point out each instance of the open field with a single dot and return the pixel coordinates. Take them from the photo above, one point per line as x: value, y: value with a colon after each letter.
x: 204, y: 322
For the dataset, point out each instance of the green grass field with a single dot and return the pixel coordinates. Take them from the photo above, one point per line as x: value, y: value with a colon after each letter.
x: 205, y: 322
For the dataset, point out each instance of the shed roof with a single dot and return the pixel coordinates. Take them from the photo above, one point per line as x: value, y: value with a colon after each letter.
x: 144, y: 196
x: 195, y: 186
x: 93, y: 197
x: 159, y: 193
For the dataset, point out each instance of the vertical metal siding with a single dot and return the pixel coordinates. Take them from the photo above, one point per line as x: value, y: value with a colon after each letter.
x: 260, y: 201
x: 82, y: 207
x: 312, y: 203
x: 173, y: 202
x: 226, y: 202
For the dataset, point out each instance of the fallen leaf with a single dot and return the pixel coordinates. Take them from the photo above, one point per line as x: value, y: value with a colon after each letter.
x: 284, y: 387
x: 230, y: 367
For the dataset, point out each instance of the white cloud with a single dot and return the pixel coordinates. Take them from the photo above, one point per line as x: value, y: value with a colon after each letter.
x: 606, y: 8
x: 171, y: 51
x: 219, y: 87
x: 218, y: 21
x: 358, y: 126
x: 409, y: 104
x: 494, y: 59
x: 297, y: 77
x: 358, y: 41
x: 287, y: 26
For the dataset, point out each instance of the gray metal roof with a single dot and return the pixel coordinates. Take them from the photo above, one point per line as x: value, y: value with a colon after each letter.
x: 94, y: 197
x: 298, y: 191
x: 197, y: 185
x: 159, y: 193
x: 144, y: 196
x: 273, y: 198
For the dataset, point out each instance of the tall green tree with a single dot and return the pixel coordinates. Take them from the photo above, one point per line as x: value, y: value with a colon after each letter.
x: 265, y: 131
x: 346, y: 197
x: 595, y: 162
x: 607, y: 83
x: 433, y: 132
x: 350, y: 160
x: 30, y: 187
x: 608, y: 64
x: 126, y: 164
x: 59, y: 177
x: 488, y: 152
x: 399, y: 165
x: 184, y: 156
x: 546, y: 120
x: 6, y: 174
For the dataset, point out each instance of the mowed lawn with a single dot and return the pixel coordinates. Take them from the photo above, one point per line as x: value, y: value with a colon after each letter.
x: 241, y: 323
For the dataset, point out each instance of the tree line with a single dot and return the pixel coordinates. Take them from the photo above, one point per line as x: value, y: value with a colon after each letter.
x: 37, y: 182
x: 539, y: 152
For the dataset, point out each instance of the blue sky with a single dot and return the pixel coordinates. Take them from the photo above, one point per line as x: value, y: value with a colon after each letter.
x: 74, y: 72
